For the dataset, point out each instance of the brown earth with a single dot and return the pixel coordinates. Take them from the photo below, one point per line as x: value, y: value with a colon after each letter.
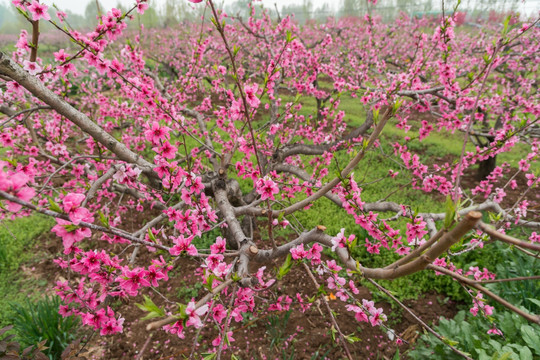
x: 303, y: 336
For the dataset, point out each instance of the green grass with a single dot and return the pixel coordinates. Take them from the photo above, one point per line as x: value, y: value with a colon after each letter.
x: 17, y: 238
x: 39, y: 321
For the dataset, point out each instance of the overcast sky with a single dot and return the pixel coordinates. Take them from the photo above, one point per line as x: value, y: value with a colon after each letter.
x: 526, y: 6
x: 78, y: 6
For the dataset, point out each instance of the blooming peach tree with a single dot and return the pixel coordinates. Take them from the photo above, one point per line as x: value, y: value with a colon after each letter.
x: 192, y: 130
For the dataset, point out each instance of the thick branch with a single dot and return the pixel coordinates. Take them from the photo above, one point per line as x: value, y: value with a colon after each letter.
x: 35, y: 40
x: 494, y: 234
x: 227, y: 211
x: 112, y: 231
x: 31, y: 83
x: 418, y: 264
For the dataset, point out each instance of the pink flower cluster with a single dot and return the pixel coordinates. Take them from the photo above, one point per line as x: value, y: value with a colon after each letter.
x: 15, y: 184
x: 416, y: 231
x: 368, y: 312
x: 480, y: 303
x: 68, y: 230
x: 106, y: 277
x: 267, y: 188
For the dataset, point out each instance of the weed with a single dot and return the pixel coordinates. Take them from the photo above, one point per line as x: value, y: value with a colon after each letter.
x: 276, y: 328
x: 186, y: 293
x: 37, y: 322
x: 521, y: 340
x: 12, y: 350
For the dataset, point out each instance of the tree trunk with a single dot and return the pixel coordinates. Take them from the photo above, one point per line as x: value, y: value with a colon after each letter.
x: 485, y: 168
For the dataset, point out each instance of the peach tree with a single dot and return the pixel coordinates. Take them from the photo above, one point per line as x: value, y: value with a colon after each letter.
x: 205, y: 127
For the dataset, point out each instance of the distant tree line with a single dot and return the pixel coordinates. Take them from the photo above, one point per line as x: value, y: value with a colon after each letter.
x: 173, y: 12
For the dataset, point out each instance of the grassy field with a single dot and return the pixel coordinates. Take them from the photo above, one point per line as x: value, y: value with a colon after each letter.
x: 17, y: 241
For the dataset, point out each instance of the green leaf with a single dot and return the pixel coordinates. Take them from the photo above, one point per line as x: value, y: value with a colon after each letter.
x: 504, y: 356
x: 353, y: 244
x: 396, y: 106
x: 13, y: 162
x: 23, y: 13
x: 525, y: 353
x: 506, y: 23
x: 70, y: 227
x: 152, y: 309
x: 54, y: 206
x: 209, y: 356
x: 449, y: 342
x: 151, y: 235
x: 181, y: 312
x: 531, y: 338
x: 352, y: 339
x: 365, y: 144
x: 104, y: 219
x: 376, y: 115
x: 210, y: 281
x: 450, y: 214
x: 534, y: 301
x: 333, y: 332
x: 285, y: 268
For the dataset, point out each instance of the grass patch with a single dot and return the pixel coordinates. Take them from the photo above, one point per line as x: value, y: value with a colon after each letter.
x: 16, y: 240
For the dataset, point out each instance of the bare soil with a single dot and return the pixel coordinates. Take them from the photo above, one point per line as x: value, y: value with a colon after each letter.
x: 304, y: 335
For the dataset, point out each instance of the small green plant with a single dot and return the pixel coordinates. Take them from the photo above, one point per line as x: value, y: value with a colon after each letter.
x: 276, y: 328
x: 520, y: 340
x: 38, y: 322
x: 186, y: 293
x: 12, y: 350
x: 319, y: 354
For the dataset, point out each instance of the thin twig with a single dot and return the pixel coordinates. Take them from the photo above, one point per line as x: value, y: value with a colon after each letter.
x: 226, y: 326
x: 420, y: 321
x: 334, y: 322
x: 473, y: 283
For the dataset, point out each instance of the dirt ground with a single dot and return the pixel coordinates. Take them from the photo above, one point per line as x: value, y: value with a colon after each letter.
x: 294, y: 335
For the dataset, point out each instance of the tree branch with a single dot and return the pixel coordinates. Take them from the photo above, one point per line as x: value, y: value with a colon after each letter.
x: 494, y: 234
x: 31, y: 83
x: 472, y: 283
